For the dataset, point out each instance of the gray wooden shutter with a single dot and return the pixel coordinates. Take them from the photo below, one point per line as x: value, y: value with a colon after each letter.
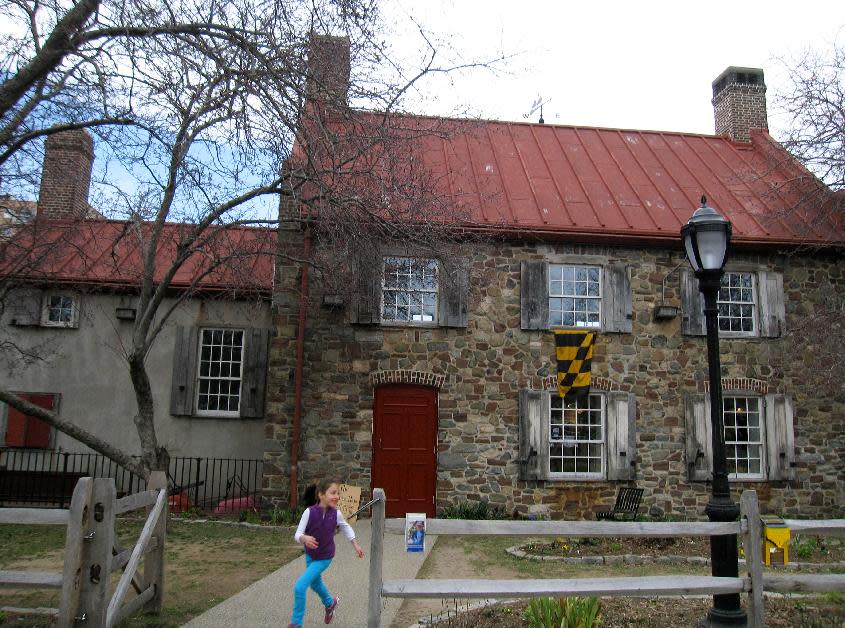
x: 621, y: 436
x: 454, y: 295
x: 699, y: 438
x: 692, y: 306
x: 24, y: 306
x: 534, y: 295
x: 366, y: 302
x: 184, y: 371
x: 780, y: 438
x: 533, y: 434
x: 254, y: 381
x: 772, y: 311
x: 617, y: 304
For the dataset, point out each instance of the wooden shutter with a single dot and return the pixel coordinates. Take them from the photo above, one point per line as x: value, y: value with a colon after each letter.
x: 23, y: 430
x: 699, y: 438
x: 184, y: 371
x: 692, y: 306
x: 533, y: 434
x: 534, y: 295
x: 454, y: 294
x: 621, y: 436
x: 366, y: 302
x: 25, y: 307
x: 780, y: 438
x: 617, y: 304
x: 254, y: 381
x: 772, y: 312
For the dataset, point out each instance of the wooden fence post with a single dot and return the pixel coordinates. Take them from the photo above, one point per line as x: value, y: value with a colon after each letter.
x: 154, y: 561
x: 97, y: 553
x: 77, y: 525
x: 376, y: 557
x: 752, y: 541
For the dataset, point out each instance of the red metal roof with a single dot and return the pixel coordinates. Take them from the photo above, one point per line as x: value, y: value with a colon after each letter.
x: 615, y: 184
x: 110, y: 253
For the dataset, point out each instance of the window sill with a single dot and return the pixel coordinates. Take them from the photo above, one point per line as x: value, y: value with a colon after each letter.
x: 406, y: 324
x: 576, y: 478
x: 218, y: 417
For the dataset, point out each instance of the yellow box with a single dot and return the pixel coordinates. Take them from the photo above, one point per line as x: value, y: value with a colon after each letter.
x: 775, y: 541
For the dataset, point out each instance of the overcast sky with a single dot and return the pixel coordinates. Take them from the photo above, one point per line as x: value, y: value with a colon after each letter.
x: 642, y: 65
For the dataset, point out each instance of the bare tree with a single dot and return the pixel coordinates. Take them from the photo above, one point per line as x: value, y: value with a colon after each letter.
x: 208, y: 113
x: 813, y: 102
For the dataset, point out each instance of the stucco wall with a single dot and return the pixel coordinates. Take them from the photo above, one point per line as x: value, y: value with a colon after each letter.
x: 486, y: 364
x: 85, y: 366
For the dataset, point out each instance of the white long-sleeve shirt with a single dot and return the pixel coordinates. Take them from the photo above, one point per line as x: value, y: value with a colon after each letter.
x: 345, y: 528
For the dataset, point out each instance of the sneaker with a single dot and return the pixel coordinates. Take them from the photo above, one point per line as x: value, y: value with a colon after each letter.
x: 294, y: 626
x: 330, y: 610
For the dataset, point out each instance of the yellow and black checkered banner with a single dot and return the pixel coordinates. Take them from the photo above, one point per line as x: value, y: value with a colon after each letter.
x: 574, y: 352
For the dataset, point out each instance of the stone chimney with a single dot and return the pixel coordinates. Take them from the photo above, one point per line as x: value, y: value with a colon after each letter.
x: 66, y: 175
x: 739, y: 103
x: 328, y: 70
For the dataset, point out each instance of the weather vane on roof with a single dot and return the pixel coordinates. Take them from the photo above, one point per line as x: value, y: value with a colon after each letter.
x: 537, y: 105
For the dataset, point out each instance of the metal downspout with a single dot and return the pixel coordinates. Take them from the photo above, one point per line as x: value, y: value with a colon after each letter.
x: 297, y: 382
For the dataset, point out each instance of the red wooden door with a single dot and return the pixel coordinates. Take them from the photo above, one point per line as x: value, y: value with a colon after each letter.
x: 404, y: 444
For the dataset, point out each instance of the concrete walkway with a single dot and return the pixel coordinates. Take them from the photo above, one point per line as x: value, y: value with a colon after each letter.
x: 269, y: 601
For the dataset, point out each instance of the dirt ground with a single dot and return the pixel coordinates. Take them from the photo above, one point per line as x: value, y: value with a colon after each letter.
x: 465, y: 557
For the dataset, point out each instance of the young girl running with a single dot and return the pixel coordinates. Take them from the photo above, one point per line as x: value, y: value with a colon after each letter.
x: 316, y: 533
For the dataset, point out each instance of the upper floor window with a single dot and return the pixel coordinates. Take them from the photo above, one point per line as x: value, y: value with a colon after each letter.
x: 574, y: 296
x: 743, y: 437
x: 59, y: 309
x: 409, y: 290
x: 576, y: 436
x: 219, y: 373
x: 736, y: 304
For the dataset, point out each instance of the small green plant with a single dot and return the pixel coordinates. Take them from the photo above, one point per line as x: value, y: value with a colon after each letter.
x: 249, y: 516
x: 285, y: 516
x: 571, y: 612
x: 804, y: 546
x: 473, y: 510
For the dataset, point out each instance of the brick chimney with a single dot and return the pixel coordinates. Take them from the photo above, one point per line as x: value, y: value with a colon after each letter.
x: 739, y: 102
x: 66, y: 175
x: 328, y: 70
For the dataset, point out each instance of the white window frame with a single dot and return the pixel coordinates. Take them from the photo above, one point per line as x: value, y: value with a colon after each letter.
x: 386, y: 288
x: 761, y: 443
x: 45, y: 309
x: 554, y: 273
x: 577, y: 475
x: 200, y: 377
x: 754, y: 303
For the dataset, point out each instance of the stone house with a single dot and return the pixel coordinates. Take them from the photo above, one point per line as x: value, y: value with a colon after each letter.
x: 74, y: 281
x: 437, y: 381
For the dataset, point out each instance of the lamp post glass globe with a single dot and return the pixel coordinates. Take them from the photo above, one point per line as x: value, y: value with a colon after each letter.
x: 706, y: 237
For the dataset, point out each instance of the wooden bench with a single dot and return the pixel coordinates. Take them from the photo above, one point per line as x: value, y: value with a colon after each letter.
x: 626, y: 507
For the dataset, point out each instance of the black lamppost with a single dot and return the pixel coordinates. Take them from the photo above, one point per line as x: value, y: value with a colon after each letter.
x: 706, y: 237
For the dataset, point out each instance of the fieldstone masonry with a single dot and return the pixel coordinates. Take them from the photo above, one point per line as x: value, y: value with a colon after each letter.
x: 480, y: 370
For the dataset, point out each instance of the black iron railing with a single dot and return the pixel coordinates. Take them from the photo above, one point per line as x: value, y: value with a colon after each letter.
x: 47, y: 478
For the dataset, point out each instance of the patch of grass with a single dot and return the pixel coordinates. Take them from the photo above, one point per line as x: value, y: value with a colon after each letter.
x: 205, y: 563
x: 18, y: 542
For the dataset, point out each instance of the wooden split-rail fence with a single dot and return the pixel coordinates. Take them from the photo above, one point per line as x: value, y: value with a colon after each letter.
x: 92, y: 553
x: 749, y: 527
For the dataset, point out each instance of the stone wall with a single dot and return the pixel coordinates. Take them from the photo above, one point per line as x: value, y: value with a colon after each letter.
x: 480, y: 370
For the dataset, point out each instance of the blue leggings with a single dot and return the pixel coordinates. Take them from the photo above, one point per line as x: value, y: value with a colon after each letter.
x: 311, y: 578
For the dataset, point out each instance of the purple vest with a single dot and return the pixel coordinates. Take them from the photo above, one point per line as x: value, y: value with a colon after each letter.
x: 321, y: 525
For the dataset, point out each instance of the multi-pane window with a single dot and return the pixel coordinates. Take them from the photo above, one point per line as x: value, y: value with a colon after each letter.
x: 409, y: 290
x: 736, y: 303
x: 219, y: 379
x: 743, y: 436
x: 576, y: 435
x: 574, y: 296
x: 59, y: 310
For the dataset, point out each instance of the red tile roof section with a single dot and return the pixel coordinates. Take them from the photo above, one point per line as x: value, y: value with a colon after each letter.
x: 109, y: 254
x: 619, y: 185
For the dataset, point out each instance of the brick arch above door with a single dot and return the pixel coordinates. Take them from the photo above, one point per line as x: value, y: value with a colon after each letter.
x: 398, y: 376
